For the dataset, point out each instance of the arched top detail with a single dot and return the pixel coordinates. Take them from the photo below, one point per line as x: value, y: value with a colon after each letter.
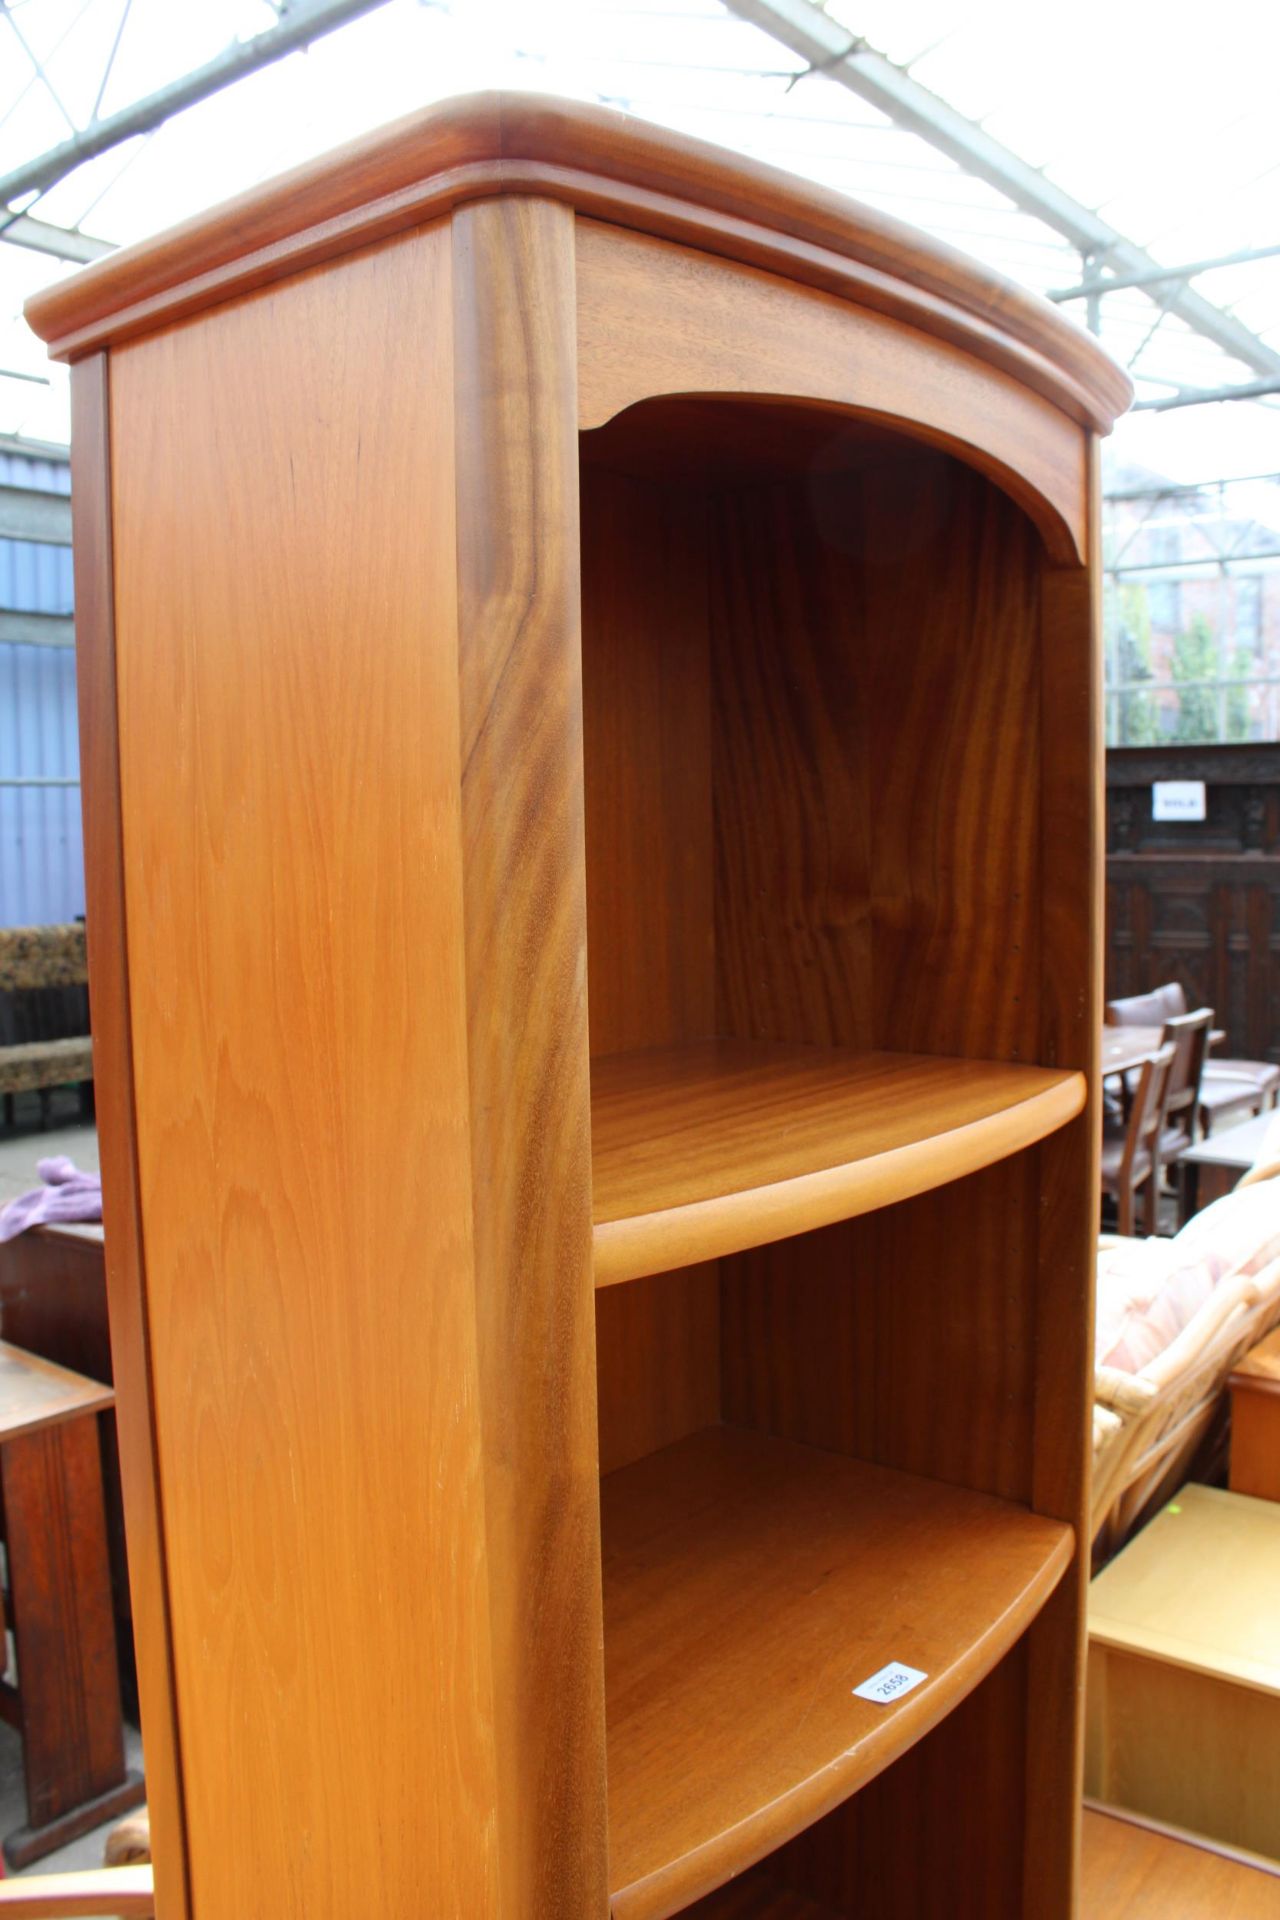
x: 610, y: 167
x: 657, y: 320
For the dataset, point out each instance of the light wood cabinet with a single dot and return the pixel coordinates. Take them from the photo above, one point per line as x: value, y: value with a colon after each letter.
x: 590, y: 707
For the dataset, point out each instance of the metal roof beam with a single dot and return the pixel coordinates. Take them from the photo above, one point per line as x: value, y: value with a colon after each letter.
x: 298, y: 25
x: 1208, y: 396
x: 1158, y: 276
x: 34, y: 449
x: 846, y: 58
x: 23, y: 231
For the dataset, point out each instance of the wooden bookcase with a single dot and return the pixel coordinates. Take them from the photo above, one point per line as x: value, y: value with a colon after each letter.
x: 589, y: 701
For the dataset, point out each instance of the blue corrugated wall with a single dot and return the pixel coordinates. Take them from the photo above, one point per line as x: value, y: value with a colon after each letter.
x: 41, y: 852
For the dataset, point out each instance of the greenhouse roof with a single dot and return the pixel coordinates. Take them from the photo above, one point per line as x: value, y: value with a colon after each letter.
x: 1000, y: 128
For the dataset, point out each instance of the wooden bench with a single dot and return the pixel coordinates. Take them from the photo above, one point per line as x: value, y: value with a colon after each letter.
x: 44, y: 1013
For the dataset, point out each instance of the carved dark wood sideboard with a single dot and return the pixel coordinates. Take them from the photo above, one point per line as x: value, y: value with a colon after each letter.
x: 590, y: 685
x: 1199, y: 901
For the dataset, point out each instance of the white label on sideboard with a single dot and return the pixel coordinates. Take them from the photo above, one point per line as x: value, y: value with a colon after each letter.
x: 1177, y: 800
x: 890, y: 1683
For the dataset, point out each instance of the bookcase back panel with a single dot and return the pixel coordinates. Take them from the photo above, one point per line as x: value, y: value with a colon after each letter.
x: 811, y: 671
x: 905, y: 1337
x: 951, y: 577
x: 790, y: 647
x: 657, y: 1361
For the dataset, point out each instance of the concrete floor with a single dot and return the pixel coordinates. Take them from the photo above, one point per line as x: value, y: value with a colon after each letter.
x: 21, y: 1146
x: 82, y: 1853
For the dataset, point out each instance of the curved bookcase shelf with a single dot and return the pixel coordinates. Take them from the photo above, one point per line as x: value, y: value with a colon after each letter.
x: 750, y: 1585
x: 704, y: 1150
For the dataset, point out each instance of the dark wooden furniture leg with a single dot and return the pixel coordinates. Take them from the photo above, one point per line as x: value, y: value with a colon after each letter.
x: 1188, y: 1191
x: 60, y: 1596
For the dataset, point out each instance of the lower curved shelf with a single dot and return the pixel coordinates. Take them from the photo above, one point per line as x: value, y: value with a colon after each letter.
x: 750, y: 1585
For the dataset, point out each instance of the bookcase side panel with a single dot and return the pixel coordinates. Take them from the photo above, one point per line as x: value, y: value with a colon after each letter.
x: 1071, y: 910
x: 647, y: 700
x: 113, y: 1067
x: 288, y: 696
x: 526, y: 959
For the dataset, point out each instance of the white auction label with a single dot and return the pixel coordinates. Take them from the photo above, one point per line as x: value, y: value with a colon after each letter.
x: 1177, y: 800
x: 890, y: 1683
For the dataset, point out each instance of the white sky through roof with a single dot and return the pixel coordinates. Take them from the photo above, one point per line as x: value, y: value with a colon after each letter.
x: 1160, y: 115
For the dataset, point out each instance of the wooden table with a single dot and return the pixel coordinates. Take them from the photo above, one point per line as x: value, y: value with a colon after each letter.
x: 1124, y: 1048
x: 1212, y: 1167
x: 1183, y: 1714
x: 66, y: 1704
x: 1255, y: 1423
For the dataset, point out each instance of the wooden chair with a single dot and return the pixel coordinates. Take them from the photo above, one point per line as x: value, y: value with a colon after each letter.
x: 1131, y: 1159
x: 1228, y: 1086
x: 1148, y: 1009
x: 1188, y: 1034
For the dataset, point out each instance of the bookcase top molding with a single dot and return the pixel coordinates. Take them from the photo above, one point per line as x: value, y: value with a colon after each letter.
x: 612, y: 167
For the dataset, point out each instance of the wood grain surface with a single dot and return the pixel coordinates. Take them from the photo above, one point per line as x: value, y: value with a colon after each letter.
x: 956, y: 873
x: 1260, y: 1369
x: 789, y: 832
x: 657, y: 1362
x: 656, y: 318
x: 1177, y: 1744
x: 59, y: 1591
x: 526, y: 945
x: 1132, y: 1870
x: 127, y: 1891
x: 610, y: 164
x: 757, y: 1895
x: 750, y: 1586
x: 1135, y: 1869
x: 646, y: 679
x: 1184, y: 1670
x: 1255, y: 1422
x: 705, y: 1150
x: 124, y: 1249
x: 967, y: 1779
x: 792, y: 755
x: 36, y: 1393
x: 1071, y: 924
x: 900, y: 742
x: 821, y: 1334
x: 290, y: 774
x: 1196, y: 1588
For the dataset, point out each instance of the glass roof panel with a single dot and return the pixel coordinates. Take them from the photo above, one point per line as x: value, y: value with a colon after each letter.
x: 1159, y: 116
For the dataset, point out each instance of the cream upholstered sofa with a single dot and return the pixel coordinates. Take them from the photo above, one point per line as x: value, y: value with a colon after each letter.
x: 1173, y: 1318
